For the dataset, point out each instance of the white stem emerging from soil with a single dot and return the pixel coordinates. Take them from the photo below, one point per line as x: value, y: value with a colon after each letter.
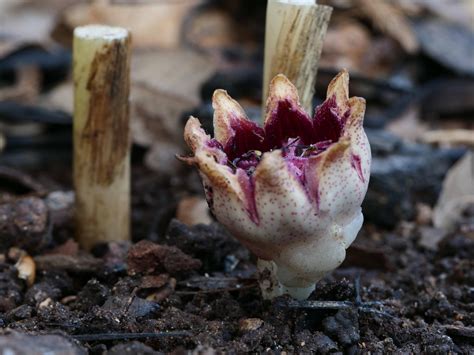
x: 271, y: 287
x: 101, y: 134
x: 294, y: 36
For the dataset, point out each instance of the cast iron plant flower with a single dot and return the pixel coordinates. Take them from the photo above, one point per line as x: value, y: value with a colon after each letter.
x: 291, y: 191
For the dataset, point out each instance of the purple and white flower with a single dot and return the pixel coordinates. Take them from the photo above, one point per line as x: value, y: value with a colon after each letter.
x: 289, y: 191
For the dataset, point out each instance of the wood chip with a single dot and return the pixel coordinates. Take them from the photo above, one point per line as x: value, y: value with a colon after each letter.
x: 26, y: 269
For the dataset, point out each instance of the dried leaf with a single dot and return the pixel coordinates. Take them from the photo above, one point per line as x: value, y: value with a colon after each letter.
x: 449, y: 137
x: 210, y: 29
x: 390, y: 21
x: 449, y: 44
x: 193, y: 210
x: 154, y: 24
x: 408, y: 125
x: 457, y: 193
x: 26, y: 88
x: 456, y: 11
x: 161, y: 157
x: 345, y: 46
x: 164, y: 85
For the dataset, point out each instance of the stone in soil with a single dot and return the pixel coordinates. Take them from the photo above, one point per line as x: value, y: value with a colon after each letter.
x: 14, y: 343
x: 150, y: 258
x: 24, y: 224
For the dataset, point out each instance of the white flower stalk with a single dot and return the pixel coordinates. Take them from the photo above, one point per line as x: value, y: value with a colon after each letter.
x: 291, y: 191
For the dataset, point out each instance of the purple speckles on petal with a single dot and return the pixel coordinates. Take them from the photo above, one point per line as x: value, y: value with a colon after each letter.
x: 356, y: 164
x: 248, y: 187
x: 289, y: 128
x: 291, y: 191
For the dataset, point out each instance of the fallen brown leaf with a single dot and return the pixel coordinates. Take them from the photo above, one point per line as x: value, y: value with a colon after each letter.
x: 391, y: 21
x: 193, y: 210
x: 456, y: 195
x: 449, y: 137
x: 153, y: 24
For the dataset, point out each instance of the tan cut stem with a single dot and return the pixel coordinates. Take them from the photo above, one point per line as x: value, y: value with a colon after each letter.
x: 101, y: 134
x: 294, y: 36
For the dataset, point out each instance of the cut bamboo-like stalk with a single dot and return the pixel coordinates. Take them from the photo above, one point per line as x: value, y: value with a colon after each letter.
x: 294, y: 35
x: 101, y: 134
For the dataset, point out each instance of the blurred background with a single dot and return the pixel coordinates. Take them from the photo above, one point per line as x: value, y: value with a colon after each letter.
x: 412, y: 60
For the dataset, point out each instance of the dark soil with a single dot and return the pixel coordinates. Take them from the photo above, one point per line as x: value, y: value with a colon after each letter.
x: 194, y: 288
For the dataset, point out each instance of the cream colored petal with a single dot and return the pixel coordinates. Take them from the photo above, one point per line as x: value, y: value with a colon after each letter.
x: 281, y: 88
x: 360, y: 146
x: 226, y: 109
x: 336, y: 182
x: 286, y: 213
x: 219, y: 175
x: 357, y: 111
x: 229, y: 201
x: 194, y: 135
x: 339, y: 88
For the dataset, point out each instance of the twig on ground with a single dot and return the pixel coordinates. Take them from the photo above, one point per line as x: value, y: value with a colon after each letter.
x: 121, y: 336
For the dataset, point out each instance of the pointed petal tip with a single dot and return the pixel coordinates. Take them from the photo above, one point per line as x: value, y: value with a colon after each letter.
x: 281, y: 87
x: 224, y: 103
x: 194, y: 135
x: 339, y: 87
x: 357, y: 112
x: 219, y: 95
x: 225, y: 109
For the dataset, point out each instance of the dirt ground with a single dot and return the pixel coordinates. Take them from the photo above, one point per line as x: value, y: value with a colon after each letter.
x: 195, y: 288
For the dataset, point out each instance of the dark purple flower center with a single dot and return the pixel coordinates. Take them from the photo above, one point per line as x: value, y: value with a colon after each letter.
x: 290, y: 129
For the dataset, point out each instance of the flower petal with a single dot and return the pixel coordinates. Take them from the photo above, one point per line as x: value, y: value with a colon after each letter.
x: 282, y: 203
x: 194, y: 135
x: 332, y: 178
x: 357, y: 111
x: 226, y: 109
x: 232, y: 128
x: 361, y: 155
x: 197, y: 139
x: 339, y: 89
x: 285, y: 118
